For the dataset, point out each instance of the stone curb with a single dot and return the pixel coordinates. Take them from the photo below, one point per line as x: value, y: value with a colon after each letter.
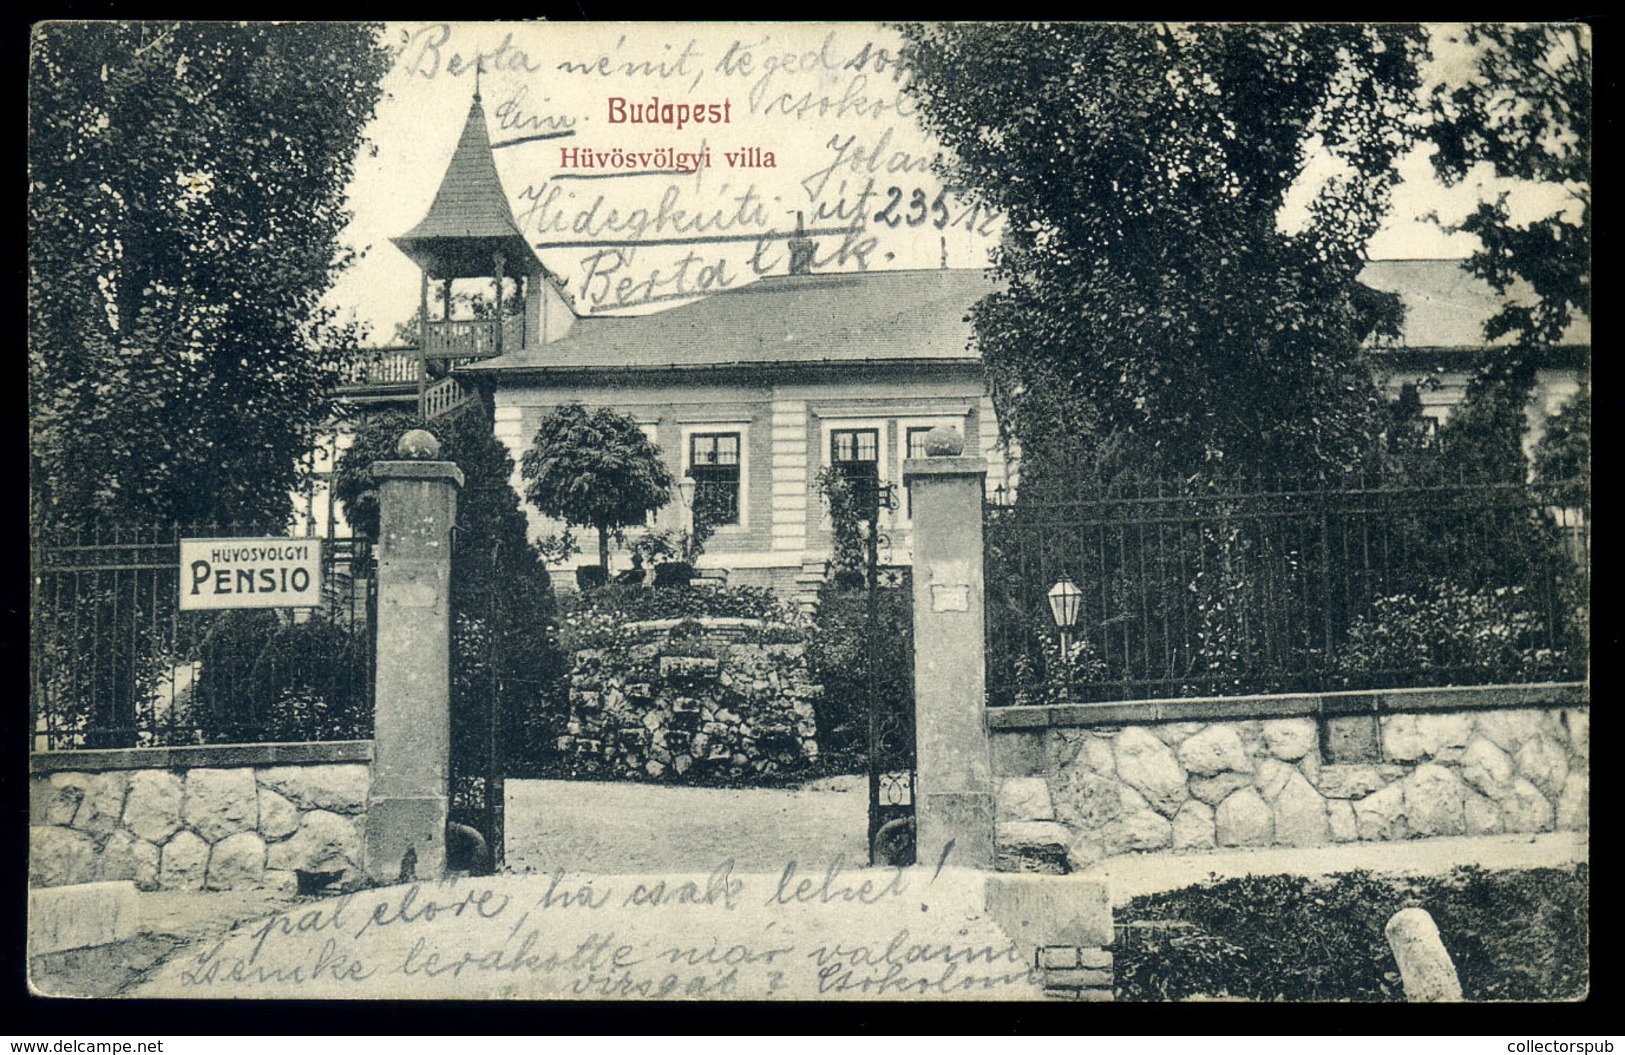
x: 81, y: 916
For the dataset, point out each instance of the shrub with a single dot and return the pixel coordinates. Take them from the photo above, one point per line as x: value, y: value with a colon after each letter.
x: 599, y: 619
x: 102, y: 658
x: 1512, y: 936
x: 263, y: 680
x: 636, y: 604
x: 505, y: 650
x: 1050, y: 678
x: 848, y: 512
x: 504, y: 643
x: 1486, y: 635
x: 665, y: 545
x: 839, y: 658
x: 1563, y: 455
x: 674, y: 573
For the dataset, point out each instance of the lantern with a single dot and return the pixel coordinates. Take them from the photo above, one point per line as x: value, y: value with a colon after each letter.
x: 1065, y: 602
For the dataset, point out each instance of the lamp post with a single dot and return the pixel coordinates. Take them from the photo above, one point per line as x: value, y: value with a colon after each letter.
x: 1065, y: 601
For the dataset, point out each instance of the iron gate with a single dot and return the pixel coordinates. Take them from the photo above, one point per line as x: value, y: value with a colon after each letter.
x: 891, y: 756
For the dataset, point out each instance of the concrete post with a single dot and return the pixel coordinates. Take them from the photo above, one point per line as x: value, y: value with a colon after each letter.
x: 1425, y: 968
x: 953, y: 799
x: 407, y: 804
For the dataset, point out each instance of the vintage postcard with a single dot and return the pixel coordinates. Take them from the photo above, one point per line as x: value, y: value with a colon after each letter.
x: 809, y: 512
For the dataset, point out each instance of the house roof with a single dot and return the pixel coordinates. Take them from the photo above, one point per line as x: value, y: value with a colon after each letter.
x: 923, y: 315
x: 1446, y: 306
x: 470, y: 218
x: 800, y: 319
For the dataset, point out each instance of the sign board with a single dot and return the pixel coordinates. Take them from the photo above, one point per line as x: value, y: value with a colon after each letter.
x: 250, y: 573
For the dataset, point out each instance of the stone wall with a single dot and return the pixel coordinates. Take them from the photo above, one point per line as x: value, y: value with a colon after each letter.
x: 713, y: 709
x: 1074, y: 793
x: 168, y: 819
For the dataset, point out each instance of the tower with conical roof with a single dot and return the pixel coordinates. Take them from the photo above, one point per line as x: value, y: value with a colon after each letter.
x: 469, y: 232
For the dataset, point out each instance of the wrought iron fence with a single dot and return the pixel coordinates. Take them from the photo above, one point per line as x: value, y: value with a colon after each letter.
x: 115, y: 662
x: 1307, y: 589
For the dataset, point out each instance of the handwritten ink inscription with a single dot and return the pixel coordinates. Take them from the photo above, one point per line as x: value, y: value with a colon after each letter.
x: 828, y: 932
x: 704, y: 152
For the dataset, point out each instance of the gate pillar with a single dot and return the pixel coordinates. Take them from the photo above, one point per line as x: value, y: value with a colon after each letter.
x: 408, y: 801
x: 954, y: 792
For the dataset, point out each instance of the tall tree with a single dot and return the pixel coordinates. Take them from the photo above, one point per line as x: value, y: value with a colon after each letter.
x: 186, y: 196
x: 1524, y: 109
x: 1154, y: 312
x: 594, y: 469
x: 1563, y: 454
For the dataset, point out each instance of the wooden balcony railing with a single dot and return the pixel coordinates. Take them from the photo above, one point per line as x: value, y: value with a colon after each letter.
x: 472, y: 338
x: 448, y: 341
x: 388, y: 367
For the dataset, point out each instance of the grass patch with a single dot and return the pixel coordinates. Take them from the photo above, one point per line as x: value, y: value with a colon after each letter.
x: 1514, y: 935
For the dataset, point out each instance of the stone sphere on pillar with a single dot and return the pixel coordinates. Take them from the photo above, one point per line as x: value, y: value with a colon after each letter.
x: 944, y: 441
x: 418, y: 445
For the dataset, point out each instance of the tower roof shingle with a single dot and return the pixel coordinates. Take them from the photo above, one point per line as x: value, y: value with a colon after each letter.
x: 470, y: 219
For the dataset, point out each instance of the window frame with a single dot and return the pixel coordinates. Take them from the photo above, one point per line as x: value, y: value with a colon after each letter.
x: 694, y: 466
x: 879, y: 433
x: 827, y: 427
x: 740, y: 429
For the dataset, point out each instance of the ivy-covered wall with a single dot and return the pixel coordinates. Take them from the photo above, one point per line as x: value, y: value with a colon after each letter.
x: 698, y: 701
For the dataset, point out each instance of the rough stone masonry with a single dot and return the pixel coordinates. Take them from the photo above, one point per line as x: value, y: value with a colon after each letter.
x: 1073, y: 795
x: 199, y: 829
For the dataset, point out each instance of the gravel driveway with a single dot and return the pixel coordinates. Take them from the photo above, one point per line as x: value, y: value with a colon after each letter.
x: 618, y: 827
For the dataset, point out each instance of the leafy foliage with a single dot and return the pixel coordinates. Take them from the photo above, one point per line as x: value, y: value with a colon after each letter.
x: 186, y: 197
x: 842, y: 652
x: 1449, y: 634
x: 1049, y: 677
x: 685, y: 546
x: 487, y: 504
x: 101, y: 657
x: 1525, y: 110
x: 1512, y: 936
x: 1147, y: 280
x: 598, y: 618
x: 1511, y: 548
x: 1442, y: 573
x: 1563, y: 455
x: 1482, y: 441
x: 262, y: 679
x: 847, y: 509
x: 594, y: 469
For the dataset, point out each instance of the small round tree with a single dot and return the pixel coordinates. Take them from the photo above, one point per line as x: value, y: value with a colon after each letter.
x: 594, y: 469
